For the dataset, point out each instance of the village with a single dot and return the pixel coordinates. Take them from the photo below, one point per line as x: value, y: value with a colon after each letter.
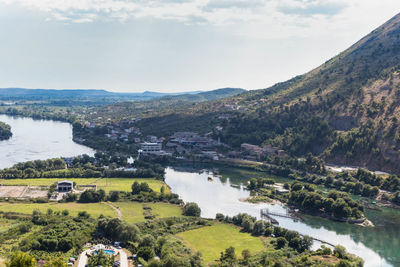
x: 183, y: 145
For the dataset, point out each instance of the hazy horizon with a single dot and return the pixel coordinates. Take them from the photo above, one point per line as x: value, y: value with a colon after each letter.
x: 176, y: 46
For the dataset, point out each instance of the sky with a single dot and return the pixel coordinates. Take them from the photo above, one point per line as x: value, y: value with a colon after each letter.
x: 176, y: 45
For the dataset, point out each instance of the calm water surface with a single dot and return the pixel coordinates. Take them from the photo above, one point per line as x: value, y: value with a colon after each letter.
x: 38, y: 139
x: 379, y: 246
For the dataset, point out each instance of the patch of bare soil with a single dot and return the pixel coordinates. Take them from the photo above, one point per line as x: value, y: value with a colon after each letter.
x: 11, y: 190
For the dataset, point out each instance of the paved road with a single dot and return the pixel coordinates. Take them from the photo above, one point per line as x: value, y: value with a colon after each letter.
x: 83, y: 259
x: 123, y: 257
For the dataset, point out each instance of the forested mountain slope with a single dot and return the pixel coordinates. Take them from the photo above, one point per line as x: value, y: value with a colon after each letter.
x: 346, y: 110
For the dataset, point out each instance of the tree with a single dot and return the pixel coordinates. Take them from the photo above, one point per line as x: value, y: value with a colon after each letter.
x: 229, y: 256
x: 146, y: 253
x: 253, y: 183
x: 114, y: 196
x: 56, y: 262
x: 340, y: 252
x: 147, y: 241
x: 281, y: 242
x: 259, y: 227
x: 296, y: 187
x: 247, y: 225
x: 21, y: 259
x: 100, y: 259
x: 246, y: 254
x: 65, y: 212
x: 191, y: 209
x: 142, y: 187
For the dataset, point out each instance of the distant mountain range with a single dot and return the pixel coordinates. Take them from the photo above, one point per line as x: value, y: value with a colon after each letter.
x: 95, y: 96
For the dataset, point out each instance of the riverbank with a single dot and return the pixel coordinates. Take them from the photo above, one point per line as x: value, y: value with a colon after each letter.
x: 374, y: 245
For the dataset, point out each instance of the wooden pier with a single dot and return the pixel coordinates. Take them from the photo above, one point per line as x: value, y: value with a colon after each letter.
x: 266, y: 215
x: 268, y: 212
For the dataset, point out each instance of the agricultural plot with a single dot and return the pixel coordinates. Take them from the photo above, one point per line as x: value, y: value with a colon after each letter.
x: 108, y: 184
x: 94, y: 209
x: 22, y: 191
x: 133, y: 212
x: 12, y: 191
x: 212, y: 240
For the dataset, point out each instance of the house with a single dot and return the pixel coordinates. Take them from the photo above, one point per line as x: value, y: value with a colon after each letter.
x: 65, y: 186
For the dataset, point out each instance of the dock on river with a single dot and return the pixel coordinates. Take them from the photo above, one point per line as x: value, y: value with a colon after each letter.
x: 266, y: 215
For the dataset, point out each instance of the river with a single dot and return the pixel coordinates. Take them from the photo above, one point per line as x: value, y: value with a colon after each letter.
x: 38, y: 139
x: 378, y: 246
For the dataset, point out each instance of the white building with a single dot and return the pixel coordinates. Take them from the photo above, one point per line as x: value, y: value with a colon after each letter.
x: 65, y: 186
x: 150, y: 147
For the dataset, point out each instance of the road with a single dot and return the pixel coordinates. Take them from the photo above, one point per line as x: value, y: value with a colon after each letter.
x: 83, y: 259
x: 119, y: 213
x: 123, y: 257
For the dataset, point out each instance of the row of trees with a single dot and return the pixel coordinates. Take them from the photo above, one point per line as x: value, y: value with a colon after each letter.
x: 80, y: 167
x: 336, y: 204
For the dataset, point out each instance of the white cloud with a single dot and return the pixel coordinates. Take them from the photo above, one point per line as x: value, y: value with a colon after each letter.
x: 212, y: 11
x: 267, y: 19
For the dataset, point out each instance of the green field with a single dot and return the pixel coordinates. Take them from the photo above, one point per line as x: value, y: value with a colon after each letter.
x: 211, y: 240
x: 94, y: 209
x: 108, y: 184
x: 132, y: 212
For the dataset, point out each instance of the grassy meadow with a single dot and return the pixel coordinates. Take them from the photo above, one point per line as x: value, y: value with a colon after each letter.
x: 108, y: 184
x: 94, y: 209
x: 132, y: 212
x: 211, y: 240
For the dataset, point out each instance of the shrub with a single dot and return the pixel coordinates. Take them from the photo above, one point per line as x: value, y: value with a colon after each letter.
x: 191, y: 209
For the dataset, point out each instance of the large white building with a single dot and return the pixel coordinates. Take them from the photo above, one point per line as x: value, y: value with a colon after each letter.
x: 150, y: 147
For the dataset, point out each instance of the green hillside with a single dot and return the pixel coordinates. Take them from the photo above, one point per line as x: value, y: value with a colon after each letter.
x: 346, y: 110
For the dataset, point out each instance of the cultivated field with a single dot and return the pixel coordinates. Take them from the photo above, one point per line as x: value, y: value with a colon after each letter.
x: 211, y: 240
x: 132, y: 212
x: 94, y: 209
x: 108, y: 184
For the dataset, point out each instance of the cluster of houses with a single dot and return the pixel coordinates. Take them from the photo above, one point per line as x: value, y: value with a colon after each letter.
x: 193, y: 145
x: 185, y: 143
x: 182, y: 144
x: 118, y: 133
x: 254, y: 152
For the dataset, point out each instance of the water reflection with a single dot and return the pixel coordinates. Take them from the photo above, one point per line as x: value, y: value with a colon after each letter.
x: 38, y: 139
x: 377, y: 246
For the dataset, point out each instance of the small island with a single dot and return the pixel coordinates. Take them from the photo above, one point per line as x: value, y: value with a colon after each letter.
x: 5, y: 131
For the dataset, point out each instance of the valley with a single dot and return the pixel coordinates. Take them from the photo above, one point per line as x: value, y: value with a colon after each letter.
x: 303, y: 173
